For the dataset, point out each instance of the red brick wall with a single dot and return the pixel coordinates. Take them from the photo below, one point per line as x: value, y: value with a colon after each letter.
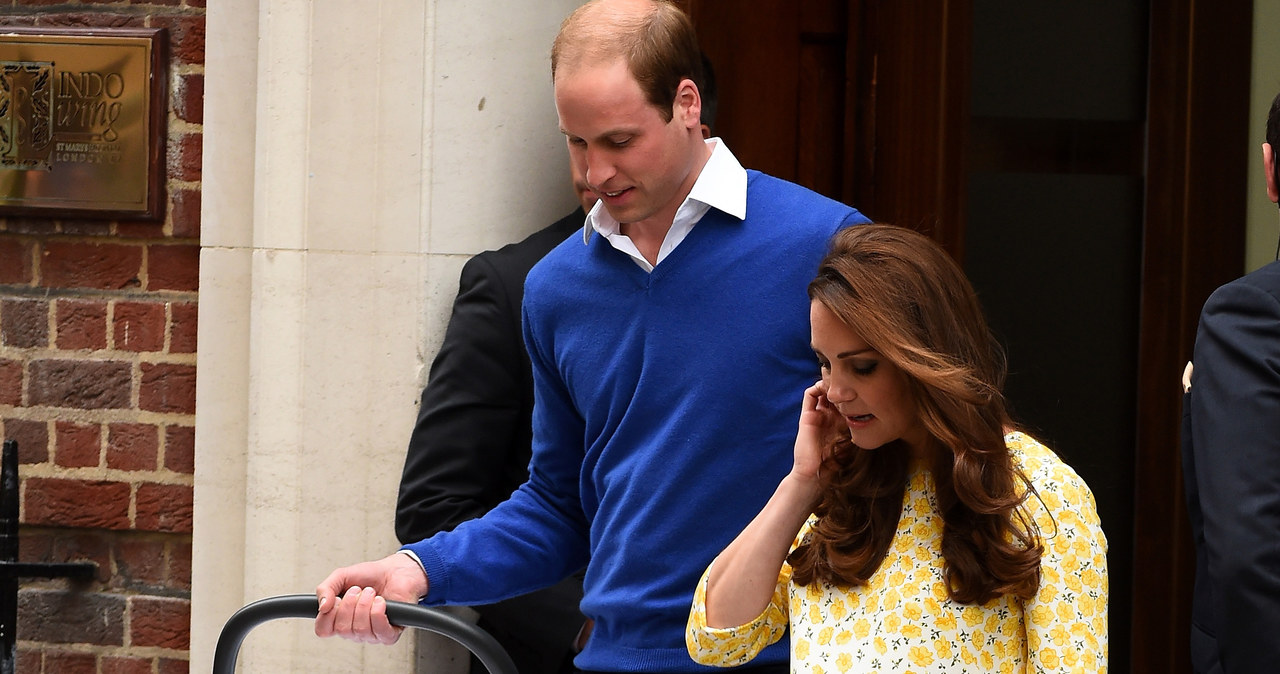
x: 97, y: 385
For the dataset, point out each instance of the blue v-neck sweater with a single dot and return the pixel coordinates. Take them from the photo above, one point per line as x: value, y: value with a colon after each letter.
x: 666, y: 406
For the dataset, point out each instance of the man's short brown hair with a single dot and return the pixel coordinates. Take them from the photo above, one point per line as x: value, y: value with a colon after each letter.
x: 655, y: 37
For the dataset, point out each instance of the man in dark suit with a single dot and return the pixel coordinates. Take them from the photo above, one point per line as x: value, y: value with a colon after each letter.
x: 1231, y: 461
x: 471, y: 445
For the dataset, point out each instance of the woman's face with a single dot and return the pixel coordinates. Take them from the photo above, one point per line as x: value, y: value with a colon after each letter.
x: 870, y: 393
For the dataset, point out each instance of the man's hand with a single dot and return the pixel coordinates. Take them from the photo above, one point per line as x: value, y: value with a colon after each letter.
x: 361, y: 613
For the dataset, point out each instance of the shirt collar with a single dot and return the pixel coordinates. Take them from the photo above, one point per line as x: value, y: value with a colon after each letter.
x: 722, y: 185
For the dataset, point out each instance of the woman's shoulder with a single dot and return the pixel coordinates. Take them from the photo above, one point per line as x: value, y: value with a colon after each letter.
x: 1042, y: 466
x: 1062, y: 505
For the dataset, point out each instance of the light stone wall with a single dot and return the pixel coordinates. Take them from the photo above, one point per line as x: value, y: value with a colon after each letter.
x: 1263, y: 220
x: 356, y: 153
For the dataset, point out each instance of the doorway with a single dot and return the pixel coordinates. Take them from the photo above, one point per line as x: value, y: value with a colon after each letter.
x: 1073, y: 157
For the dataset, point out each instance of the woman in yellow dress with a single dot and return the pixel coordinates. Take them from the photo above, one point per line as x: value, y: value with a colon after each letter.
x: 919, y: 530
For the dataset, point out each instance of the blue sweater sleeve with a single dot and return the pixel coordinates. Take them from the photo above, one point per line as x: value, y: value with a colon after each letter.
x: 539, y: 535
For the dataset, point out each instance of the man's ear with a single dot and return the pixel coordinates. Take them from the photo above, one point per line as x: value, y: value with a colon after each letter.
x: 687, y: 106
x: 1269, y: 165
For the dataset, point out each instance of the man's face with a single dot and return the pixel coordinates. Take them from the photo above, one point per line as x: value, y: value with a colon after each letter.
x: 639, y: 165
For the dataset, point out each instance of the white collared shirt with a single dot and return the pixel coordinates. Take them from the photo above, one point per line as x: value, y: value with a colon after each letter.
x: 721, y: 185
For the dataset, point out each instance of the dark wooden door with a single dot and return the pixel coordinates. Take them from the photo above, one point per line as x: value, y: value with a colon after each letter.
x: 861, y: 100
x: 872, y: 102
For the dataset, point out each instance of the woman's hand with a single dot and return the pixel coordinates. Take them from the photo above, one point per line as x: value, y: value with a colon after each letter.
x: 743, y: 579
x: 820, y: 426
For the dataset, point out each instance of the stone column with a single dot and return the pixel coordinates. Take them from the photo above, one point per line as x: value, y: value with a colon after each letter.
x: 356, y: 153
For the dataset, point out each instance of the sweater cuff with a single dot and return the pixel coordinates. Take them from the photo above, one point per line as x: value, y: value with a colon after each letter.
x: 434, y: 567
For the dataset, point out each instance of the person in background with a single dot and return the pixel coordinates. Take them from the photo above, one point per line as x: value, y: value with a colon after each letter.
x: 667, y: 343
x: 919, y: 529
x: 1231, y: 464
x: 471, y: 446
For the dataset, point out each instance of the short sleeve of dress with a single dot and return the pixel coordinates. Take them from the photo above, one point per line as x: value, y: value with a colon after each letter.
x: 1066, y: 621
x: 733, y: 646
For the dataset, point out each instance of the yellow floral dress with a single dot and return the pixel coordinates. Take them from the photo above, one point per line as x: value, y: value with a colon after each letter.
x: 903, y: 620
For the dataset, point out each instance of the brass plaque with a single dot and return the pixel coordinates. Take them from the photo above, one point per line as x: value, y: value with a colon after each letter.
x: 82, y: 122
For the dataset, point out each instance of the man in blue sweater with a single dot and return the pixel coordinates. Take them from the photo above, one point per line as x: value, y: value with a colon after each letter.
x: 670, y: 350
x: 472, y: 443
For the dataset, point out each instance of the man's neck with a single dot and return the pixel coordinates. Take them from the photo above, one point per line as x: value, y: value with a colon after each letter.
x: 648, y: 234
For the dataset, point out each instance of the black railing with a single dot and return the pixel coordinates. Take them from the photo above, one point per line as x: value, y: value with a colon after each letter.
x: 490, y: 653
x: 11, y: 569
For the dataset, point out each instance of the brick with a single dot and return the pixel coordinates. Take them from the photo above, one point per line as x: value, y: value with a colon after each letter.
x: 160, y: 622
x: 186, y: 37
x: 79, y: 384
x: 37, y: 226
x: 140, y: 563
x: 173, y: 267
x: 60, y: 617
x: 125, y: 665
x: 133, y: 446
x: 36, y: 545
x: 164, y: 507
x: 168, y: 387
x: 140, y: 229
x: 180, y: 449
x: 10, y: 382
x: 188, y: 99
x: 186, y: 214
x: 82, y: 546
x: 104, y: 266
x: 90, y: 20
x: 28, y: 661
x: 32, y: 438
x: 170, y: 666
x: 15, y: 261
x: 180, y: 565
x: 76, y: 503
x: 24, y: 323
x: 70, y: 662
x: 80, y: 324
x: 138, y: 326
x: 184, y: 156
x: 86, y: 227
x: 183, y: 327
x: 77, y: 445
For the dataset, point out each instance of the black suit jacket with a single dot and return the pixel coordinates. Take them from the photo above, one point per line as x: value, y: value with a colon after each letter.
x: 1231, y: 462
x: 471, y: 446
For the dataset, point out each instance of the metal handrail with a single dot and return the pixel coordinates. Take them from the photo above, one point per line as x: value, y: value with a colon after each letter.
x: 476, y: 640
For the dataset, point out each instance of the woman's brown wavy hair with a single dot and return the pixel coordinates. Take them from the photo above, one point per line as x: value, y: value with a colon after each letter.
x: 907, y: 299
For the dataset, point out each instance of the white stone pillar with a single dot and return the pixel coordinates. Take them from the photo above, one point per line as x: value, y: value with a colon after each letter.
x: 356, y: 153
